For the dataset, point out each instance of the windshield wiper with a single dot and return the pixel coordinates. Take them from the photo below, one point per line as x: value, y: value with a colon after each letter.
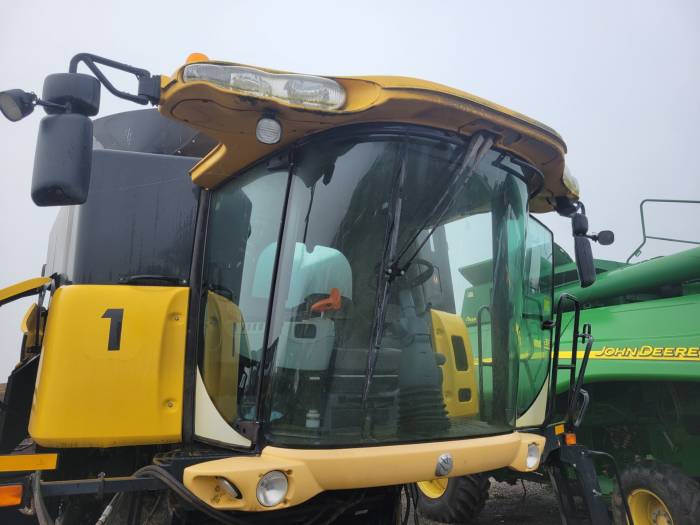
x: 148, y: 278
x: 476, y: 149
x: 391, y: 237
x: 390, y: 268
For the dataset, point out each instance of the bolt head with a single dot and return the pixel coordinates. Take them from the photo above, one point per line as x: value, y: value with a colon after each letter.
x: 444, y: 465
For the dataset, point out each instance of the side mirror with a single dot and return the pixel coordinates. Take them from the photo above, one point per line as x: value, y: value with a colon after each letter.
x: 64, y: 147
x: 582, y: 250
x: 584, y: 260
x: 605, y: 238
x: 63, y: 160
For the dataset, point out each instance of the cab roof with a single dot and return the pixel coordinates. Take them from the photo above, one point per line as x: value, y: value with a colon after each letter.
x: 231, y: 118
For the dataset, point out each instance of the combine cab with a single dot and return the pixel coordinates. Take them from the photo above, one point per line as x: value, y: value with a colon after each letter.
x: 251, y: 310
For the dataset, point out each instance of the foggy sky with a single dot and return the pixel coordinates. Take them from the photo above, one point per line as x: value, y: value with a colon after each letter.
x: 618, y: 80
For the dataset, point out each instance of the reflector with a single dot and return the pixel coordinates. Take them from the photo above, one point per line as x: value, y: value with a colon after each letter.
x: 10, y: 495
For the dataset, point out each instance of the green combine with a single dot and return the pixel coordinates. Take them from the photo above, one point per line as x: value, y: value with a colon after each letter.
x: 642, y: 380
x: 643, y: 377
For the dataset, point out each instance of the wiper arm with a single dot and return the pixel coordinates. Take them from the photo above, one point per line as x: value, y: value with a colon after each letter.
x: 391, y: 237
x: 148, y: 278
x: 477, y: 148
x: 389, y: 269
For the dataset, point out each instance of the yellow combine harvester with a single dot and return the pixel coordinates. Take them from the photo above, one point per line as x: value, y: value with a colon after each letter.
x: 276, y: 337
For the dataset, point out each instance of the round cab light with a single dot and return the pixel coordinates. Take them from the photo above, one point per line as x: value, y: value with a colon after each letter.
x: 272, y: 488
x: 268, y: 131
x: 533, y: 456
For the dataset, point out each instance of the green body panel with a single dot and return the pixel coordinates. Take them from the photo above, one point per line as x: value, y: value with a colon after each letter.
x: 649, y: 340
x: 638, y: 278
x: 643, y: 376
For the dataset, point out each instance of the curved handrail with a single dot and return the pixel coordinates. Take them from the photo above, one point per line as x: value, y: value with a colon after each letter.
x: 638, y: 250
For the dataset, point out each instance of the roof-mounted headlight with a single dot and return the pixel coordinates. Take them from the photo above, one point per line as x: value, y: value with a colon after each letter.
x: 297, y: 90
x: 570, y: 182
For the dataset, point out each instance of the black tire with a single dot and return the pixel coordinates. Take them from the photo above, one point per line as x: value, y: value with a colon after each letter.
x: 678, y: 492
x: 462, y: 501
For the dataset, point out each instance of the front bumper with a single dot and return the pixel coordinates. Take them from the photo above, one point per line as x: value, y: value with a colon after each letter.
x: 312, y: 471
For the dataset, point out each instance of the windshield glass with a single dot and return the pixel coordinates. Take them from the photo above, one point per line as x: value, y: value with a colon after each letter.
x: 350, y: 197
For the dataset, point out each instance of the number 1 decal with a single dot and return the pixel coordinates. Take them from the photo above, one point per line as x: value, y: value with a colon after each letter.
x: 115, y: 316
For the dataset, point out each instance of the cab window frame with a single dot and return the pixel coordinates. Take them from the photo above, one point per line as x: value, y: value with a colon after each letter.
x: 547, y: 324
x: 284, y: 156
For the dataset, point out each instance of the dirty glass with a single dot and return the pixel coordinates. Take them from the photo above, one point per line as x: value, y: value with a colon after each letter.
x: 537, y: 307
x: 353, y: 352
x: 244, y: 221
x: 348, y: 197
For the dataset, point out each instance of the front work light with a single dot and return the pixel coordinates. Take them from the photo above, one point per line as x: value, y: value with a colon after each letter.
x: 272, y: 488
x: 16, y: 104
x: 296, y: 90
x: 533, y: 456
x: 229, y: 488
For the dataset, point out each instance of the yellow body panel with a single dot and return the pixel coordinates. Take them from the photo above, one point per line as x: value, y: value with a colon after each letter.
x: 231, y: 118
x: 23, y: 289
x: 28, y: 462
x: 90, y: 396
x: 222, y: 333
x: 32, y: 326
x: 445, y: 326
x: 312, y: 471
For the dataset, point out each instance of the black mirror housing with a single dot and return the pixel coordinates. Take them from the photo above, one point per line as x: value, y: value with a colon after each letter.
x: 78, y: 92
x: 584, y: 260
x: 63, y: 160
x: 579, y: 224
x: 606, y: 238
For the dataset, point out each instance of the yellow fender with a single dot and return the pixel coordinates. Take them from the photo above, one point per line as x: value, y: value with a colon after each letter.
x: 23, y: 289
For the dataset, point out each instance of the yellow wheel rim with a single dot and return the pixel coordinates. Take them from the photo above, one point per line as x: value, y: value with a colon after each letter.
x: 433, y: 488
x: 648, y: 509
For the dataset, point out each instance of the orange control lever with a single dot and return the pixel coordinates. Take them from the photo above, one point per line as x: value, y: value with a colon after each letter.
x: 332, y: 302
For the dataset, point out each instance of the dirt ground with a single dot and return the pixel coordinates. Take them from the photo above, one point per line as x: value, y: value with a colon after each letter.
x: 530, y: 503
x: 522, y: 503
x: 517, y: 504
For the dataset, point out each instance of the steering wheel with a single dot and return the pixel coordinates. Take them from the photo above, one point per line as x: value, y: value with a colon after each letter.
x: 422, y: 277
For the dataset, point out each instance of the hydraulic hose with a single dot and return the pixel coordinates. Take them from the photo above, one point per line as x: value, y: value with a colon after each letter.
x: 185, y: 495
x: 108, y: 510
x: 151, y: 471
x: 42, y: 515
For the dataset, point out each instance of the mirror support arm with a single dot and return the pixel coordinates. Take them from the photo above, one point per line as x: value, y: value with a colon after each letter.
x: 585, y: 265
x: 149, y: 85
